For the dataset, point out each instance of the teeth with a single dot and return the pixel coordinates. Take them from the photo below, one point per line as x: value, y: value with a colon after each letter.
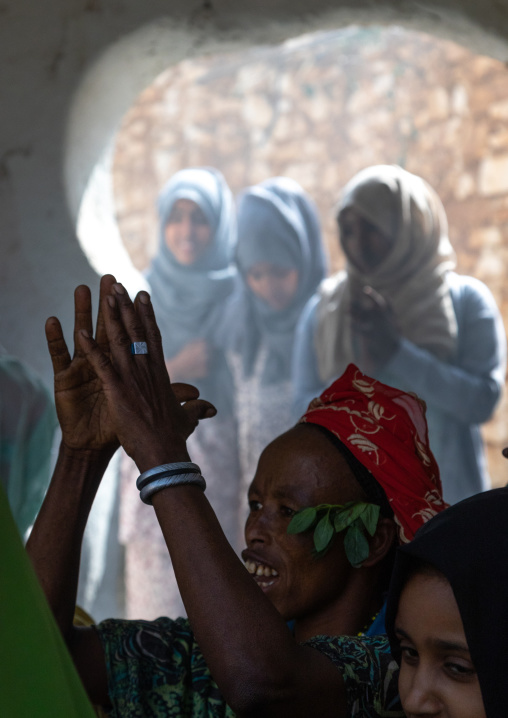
x: 256, y: 569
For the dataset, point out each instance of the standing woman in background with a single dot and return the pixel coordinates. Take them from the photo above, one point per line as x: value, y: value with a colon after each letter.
x: 281, y: 262
x: 402, y: 314
x: 190, y: 278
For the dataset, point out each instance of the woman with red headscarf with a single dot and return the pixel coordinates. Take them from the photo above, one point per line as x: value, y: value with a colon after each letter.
x: 358, y: 465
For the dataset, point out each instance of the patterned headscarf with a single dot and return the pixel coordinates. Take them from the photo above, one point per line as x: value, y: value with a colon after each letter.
x: 386, y: 430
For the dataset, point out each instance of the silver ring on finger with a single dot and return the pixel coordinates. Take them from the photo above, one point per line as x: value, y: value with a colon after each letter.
x: 139, y: 348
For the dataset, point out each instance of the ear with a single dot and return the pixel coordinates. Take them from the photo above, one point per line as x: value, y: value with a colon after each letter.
x: 381, y: 542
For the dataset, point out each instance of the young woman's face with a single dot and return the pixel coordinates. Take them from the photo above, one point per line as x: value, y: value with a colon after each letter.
x: 273, y: 284
x: 437, y: 677
x: 187, y: 232
x: 363, y: 243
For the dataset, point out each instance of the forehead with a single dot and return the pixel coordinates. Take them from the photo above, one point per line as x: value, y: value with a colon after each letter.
x: 185, y: 205
x: 348, y: 214
x: 428, y: 612
x: 303, y: 464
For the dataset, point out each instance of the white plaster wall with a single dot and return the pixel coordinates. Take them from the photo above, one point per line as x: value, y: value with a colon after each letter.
x: 69, y: 69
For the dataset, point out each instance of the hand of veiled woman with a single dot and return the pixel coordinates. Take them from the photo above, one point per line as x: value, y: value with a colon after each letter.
x: 374, y: 328
x: 192, y: 362
x: 145, y: 412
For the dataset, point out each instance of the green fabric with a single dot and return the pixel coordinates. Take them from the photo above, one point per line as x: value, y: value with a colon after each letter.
x: 370, y: 673
x: 37, y: 677
x: 27, y: 427
x: 156, y: 669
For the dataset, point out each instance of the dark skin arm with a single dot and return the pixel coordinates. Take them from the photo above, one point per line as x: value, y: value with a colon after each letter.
x: 258, y: 666
x: 88, y: 443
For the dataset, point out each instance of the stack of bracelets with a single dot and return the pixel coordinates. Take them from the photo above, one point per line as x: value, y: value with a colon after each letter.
x: 160, y: 477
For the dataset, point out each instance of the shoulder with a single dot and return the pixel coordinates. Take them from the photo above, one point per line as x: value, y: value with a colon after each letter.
x: 156, y: 668
x: 149, y: 642
x: 307, y: 318
x: 368, y: 669
x: 470, y: 289
x: 331, y: 285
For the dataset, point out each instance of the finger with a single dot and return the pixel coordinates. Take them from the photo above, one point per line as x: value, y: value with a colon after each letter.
x: 377, y: 299
x: 151, y: 331
x: 101, y: 336
x: 118, y: 339
x: 184, y: 392
x: 98, y: 360
x: 60, y: 357
x: 82, y: 315
x: 129, y: 317
x: 198, y: 409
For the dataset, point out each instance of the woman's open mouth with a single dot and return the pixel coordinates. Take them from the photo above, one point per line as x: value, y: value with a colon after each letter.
x: 263, y: 575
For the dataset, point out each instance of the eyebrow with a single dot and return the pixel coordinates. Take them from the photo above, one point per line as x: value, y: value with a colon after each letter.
x: 288, y: 492
x: 438, y: 642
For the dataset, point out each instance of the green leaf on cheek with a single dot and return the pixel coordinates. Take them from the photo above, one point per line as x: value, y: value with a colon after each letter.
x: 345, y: 516
x: 302, y: 521
x: 356, y: 545
x: 370, y: 517
x: 323, y: 533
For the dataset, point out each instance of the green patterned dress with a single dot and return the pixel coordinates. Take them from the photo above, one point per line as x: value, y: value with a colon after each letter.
x: 156, y: 670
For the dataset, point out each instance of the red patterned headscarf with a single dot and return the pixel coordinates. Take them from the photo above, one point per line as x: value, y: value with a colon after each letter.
x: 386, y: 430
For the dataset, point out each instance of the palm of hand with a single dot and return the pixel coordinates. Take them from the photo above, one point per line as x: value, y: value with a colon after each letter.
x: 82, y: 408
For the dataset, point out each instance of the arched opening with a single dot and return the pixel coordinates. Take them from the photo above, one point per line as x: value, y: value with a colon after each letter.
x: 318, y: 109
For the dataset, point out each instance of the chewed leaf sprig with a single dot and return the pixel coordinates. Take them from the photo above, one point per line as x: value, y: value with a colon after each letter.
x: 354, y: 517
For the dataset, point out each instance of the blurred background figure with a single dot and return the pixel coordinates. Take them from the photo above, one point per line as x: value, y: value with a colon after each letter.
x: 190, y: 279
x: 27, y: 428
x: 281, y: 262
x: 405, y: 317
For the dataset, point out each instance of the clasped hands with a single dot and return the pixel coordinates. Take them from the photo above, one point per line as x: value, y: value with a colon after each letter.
x: 105, y: 396
x: 375, y: 333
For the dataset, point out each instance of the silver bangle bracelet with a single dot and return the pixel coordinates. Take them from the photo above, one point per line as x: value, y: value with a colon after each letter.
x: 177, y: 467
x: 176, y: 480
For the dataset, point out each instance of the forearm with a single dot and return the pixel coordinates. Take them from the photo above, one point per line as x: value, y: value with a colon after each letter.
x: 230, y: 615
x: 54, y: 545
x: 247, y: 645
x: 468, y: 397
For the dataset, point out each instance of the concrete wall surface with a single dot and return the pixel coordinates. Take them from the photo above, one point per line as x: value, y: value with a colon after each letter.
x: 69, y: 71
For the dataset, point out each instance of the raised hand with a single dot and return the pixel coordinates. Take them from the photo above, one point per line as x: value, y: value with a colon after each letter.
x: 80, y: 403
x: 143, y: 407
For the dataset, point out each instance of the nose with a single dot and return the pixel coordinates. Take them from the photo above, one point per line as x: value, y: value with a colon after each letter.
x: 186, y: 228
x: 421, y: 697
x: 265, y: 288
x: 258, y: 528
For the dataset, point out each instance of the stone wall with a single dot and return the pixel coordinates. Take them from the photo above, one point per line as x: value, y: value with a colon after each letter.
x: 320, y: 108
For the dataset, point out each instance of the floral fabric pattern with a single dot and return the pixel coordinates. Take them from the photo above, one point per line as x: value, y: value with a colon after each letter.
x: 385, y: 428
x: 156, y: 670
x: 370, y: 673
